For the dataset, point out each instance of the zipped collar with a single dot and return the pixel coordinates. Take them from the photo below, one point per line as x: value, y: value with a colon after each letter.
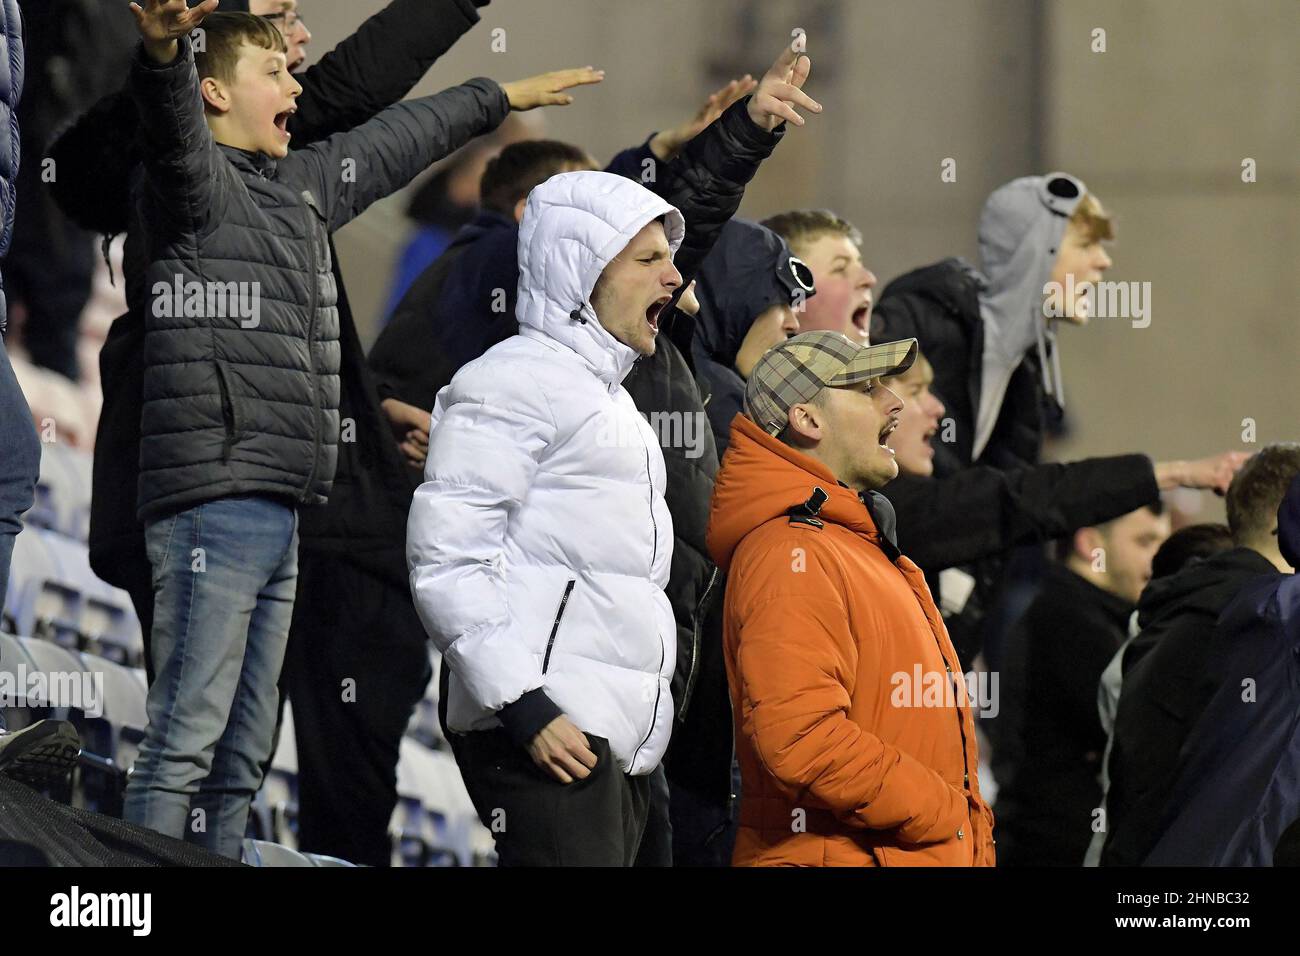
x: 257, y: 163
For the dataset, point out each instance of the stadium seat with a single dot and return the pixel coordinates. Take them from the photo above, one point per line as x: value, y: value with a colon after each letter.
x: 63, y: 491
x: 16, y: 713
x: 54, y: 594
x: 124, y: 718
x: 265, y: 853
x: 424, y: 725
x: 433, y: 817
x: 52, y: 659
x: 279, y: 792
x: 37, y: 600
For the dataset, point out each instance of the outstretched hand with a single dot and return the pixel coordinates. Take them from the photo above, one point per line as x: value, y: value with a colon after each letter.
x: 548, y: 88
x: 669, y: 142
x: 1215, y: 472
x: 781, y: 90
x: 162, y: 22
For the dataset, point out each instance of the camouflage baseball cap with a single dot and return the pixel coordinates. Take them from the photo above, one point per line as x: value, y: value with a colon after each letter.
x: 801, y: 366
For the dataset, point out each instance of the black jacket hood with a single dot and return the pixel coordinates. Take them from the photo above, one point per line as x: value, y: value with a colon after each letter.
x: 1206, y: 585
x: 953, y: 283
x: 749, y: 269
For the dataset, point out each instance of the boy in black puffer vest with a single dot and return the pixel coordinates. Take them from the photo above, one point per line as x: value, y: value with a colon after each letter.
x: 240, y: 423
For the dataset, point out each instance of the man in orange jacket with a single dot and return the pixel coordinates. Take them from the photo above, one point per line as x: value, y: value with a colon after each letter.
x: 855, y: 739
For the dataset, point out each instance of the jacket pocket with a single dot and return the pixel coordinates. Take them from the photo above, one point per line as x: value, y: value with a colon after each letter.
x: 229, y: 410
x: 555, y: 628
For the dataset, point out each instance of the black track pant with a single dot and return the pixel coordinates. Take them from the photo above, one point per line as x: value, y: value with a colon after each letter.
x: 356, y: 666
x: 538, y: 821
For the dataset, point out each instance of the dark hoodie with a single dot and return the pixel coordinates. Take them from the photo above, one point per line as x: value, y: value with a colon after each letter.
x: 749, y: 270
x: 1048, y: 736
x: 1236, y: 801
x: 1166, y: 686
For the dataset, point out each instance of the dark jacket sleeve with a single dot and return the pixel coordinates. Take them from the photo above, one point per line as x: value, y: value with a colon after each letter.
x: 93, y: 159
x: 981, y: 511
x: 455, y: 311
x: 180, y: 156
x: 351, y: 170
x: 707, y: 180
x: 370, y: 70
x: 378, y: 65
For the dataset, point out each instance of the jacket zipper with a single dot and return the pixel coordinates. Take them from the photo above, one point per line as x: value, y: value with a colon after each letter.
x: 694, y: 673
x: 961, y: 724
x: 654, y: 547
x: 555, y: 628
x: 312, y: 212
x: 227, y: 413
x: 654, y: 553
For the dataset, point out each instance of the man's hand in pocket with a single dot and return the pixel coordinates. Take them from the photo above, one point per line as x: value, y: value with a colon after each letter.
x: 562, y: 750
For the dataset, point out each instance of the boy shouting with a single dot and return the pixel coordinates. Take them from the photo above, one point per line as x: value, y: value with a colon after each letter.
x: 240, y: 422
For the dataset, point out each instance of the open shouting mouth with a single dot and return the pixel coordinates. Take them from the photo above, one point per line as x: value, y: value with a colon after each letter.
x: 282, y: 122
x: 862, y: 318
x: 886, y: 432
x: 654, y: 310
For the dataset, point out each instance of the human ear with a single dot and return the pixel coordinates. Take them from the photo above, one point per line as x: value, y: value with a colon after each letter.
x: 806, y: 420
x: 214, y: 94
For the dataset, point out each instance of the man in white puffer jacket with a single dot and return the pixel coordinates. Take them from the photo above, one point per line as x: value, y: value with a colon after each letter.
x: 540, y: 543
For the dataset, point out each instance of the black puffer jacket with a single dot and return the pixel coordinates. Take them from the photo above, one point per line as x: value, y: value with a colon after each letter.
x: 11, y: 44
x: 260, y: 408
x: 369, y: 71
x: 939, y: 306
x: 365, y: 519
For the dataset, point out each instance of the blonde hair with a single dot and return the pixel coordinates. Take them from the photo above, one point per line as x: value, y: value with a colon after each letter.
x: 801, y: 227
x: 1092, y: 219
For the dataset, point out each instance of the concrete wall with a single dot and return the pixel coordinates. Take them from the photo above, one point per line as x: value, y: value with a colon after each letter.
x: 1157, y: 125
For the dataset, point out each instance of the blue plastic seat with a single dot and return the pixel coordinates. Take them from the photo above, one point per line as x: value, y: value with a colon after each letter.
x: 63, y: 491
x: 54, y: 594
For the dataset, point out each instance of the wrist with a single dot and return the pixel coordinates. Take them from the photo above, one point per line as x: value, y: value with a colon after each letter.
x: 161, y: 52
x: 665, y: 146
x: 1170, y: 474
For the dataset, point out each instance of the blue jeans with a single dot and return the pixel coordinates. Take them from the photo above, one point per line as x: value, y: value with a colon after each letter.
x: 20, y: 462
x: 224, y: 576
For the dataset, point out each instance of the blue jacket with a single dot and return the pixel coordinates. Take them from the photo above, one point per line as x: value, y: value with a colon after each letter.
x: 1238, y: 788
x: 11, y: 91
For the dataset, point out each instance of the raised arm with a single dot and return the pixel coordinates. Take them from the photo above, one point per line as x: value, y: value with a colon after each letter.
x: 354, y: 169
x: 635, y: 161
x: 707, y: 180
x: 983, y: 511
x: 177, y: 147
x: 378, y: 65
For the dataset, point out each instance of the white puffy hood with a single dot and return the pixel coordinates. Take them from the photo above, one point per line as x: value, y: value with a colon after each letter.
x: 573, y: 225
x: 1020, y: 232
